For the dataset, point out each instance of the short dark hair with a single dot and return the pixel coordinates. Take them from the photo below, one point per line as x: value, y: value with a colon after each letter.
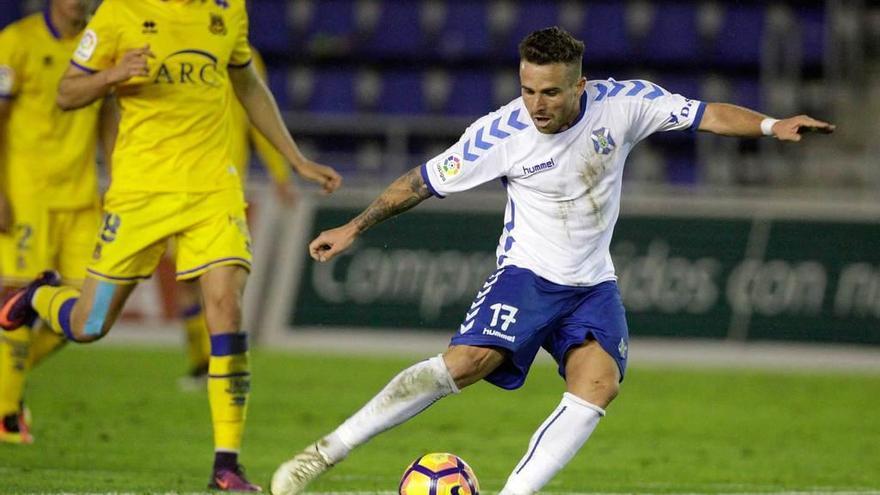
x: 551, y: 45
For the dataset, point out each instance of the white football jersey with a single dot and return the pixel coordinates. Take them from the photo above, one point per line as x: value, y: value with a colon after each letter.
x: 563, y: 189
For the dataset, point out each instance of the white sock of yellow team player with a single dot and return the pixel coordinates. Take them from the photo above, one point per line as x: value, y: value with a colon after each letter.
x: 555, y: 442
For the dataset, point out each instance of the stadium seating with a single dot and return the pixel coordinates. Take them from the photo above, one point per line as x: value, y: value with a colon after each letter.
x: 456, y: 59
x: 604, y: 32
x: 451, y: 58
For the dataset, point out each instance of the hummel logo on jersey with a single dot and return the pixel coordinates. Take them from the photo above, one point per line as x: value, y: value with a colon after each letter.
x: 149, y: 27
x: 602, y: 141
x: 541, y: 167
x: 673, y: 119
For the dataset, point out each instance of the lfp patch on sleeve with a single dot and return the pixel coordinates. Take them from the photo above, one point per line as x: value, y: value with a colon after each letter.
x: 87, y: 45
x: 449, y: 167
x: 7, y: 78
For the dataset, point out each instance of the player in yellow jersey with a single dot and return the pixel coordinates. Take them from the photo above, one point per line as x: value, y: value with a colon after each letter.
x: 49, y: 208
x: 242, y: 138
x: 170, y: 64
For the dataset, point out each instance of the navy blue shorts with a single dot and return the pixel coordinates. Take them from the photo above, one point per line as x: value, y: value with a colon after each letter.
x: 521, y: 312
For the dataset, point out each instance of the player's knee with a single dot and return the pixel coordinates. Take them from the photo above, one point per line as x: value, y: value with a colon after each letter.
x: 224, y: 310
x: 607, y: 389
x: 600, y: 390
x: 468, y: 364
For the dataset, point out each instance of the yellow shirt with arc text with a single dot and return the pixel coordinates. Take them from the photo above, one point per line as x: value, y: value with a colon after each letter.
x: 176, y: 122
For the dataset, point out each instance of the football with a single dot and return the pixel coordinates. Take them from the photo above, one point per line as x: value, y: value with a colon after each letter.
x: 439, y: 474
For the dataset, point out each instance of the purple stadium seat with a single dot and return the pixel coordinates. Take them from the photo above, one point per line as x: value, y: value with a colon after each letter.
x: 471, y: 94
x: 398, y: 31
x: 402, y: 92
x: 332, y: 30
x: 333, y: 91
x: 10, y: 11
x: 268, y: 26
x: 747, y: 93
x: 741, y: 35
x: 681, y: 166
x: 673, y: 35
x: 812, y: 25
x: 465, y: 31
x: 604, y: 32
x: 277, y: 82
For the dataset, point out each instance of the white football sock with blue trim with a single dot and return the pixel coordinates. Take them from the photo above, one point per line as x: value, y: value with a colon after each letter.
x: 558, y: 439
x: 410, y: 392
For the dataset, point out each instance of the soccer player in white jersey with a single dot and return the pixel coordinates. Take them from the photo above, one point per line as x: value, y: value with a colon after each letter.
x: 560, y: 150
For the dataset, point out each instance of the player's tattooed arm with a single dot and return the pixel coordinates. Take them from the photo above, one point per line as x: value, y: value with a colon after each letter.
x: 404, y: 193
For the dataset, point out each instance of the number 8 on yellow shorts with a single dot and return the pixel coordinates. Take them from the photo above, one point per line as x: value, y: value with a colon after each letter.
x: 208, y: 228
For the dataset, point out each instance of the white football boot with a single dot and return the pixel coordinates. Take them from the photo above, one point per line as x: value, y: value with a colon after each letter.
x: 292, y: 477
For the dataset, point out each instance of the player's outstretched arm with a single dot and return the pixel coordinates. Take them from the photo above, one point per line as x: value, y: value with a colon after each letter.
x: 404, y: 193
x: 732, y: 120
x: 79, y: 88
x: 263, y: 112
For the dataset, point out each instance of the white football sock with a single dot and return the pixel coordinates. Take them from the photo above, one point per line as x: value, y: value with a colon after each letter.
x: 410, y: 392
x: 554, y: 444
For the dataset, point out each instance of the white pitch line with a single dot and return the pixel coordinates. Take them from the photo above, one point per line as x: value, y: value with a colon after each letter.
x: 818, y: 491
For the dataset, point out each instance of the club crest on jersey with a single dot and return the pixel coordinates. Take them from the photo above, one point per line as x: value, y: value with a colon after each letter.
x: 602, y: 141
x: 449, y: 167
x: 217, y: 26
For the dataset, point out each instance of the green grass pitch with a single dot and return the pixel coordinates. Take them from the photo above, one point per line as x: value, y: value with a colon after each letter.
x: 111, y: 419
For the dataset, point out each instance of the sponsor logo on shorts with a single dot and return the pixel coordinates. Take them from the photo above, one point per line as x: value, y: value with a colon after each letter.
x: 500, y: 335
x: 87, y: 45
x: 622, y: 348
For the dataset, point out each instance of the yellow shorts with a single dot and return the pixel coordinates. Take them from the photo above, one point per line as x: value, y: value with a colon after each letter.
x: 209, y: 230
x: 43, y: 239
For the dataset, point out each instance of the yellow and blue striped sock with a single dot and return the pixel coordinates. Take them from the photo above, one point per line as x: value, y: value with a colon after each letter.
x: 14, y: 365
x: 44, y: 342
x: 198, y: 342
x: 54, y: 305
x: 229, y: 381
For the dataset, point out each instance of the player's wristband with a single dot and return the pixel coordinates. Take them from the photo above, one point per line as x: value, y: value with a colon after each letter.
x: 767, y: 126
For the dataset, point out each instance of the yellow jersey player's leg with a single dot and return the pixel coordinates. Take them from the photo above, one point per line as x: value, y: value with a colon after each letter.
x: 241, y: 139
x: 37, y: 202
x: 173, y: 177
